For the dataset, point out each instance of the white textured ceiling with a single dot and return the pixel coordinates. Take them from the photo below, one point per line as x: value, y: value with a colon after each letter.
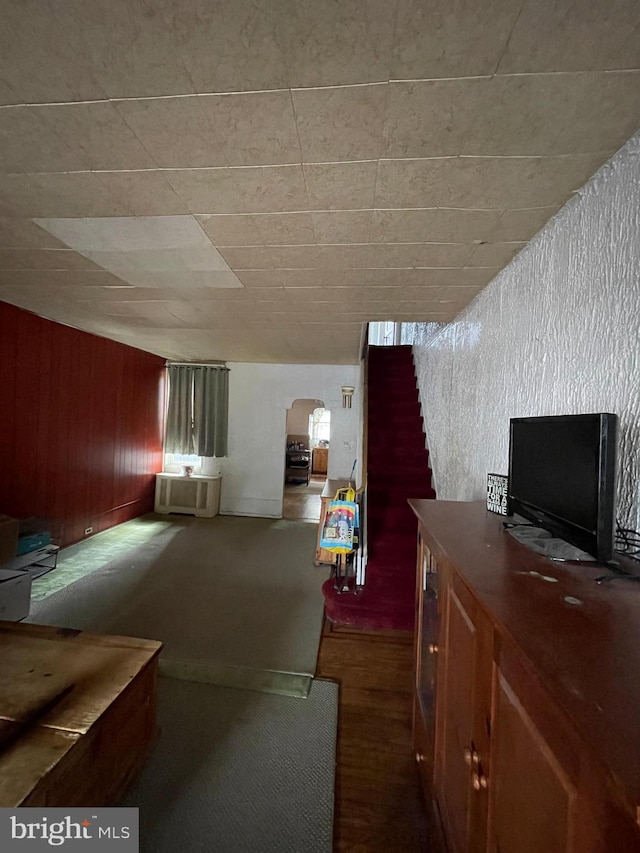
x: 252, y: 181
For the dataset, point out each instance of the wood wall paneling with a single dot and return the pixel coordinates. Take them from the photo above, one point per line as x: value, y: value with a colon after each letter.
x: 80, y: 425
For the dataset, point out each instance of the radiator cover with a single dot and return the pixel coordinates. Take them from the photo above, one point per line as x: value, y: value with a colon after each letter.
x: 195, y: 495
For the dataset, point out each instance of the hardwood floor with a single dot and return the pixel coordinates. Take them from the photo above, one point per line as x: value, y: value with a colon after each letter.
x: 379, y: 805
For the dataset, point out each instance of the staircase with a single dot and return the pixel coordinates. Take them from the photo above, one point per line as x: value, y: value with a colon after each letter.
x: 397, y: 469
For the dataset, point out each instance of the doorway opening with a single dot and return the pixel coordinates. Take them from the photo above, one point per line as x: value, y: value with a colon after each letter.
x: 306, y: 459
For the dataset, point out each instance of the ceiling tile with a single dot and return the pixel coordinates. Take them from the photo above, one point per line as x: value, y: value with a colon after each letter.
x: 260, y: 278
x: 285, y: 228
x: 94, y: 135
x: 416, y: 254
x: 229, y: 47
x: 62, y: 194
x: 541, y: 114
x: 341, y: 186
x: 28, y: 144
x: 437, y: 38
x: 248, y: 257
x: 205, y: 190
x: 43, y: 55
x: 187, y: 278
x: 51, y: 280
x: 330, y: 44
x: 134, y: 47
x: 231, y: 229
x: 494, y: 254
x: 302, y: 277
x: 432, y: 225
x: 25, y: 234
x: 337, y: 226
x: 400, y: 278
x: 142, y: 193
x: 248, y: 190
x: 344, y: 123
x: 177, y: 132
x: 412, y: 183
x: 432, y: 118
x: 252, y: 129
x: 574, y: 35
x: 126, y: 234
x: 503, y: 182
x: 296, y: 257
x: 43, y: 259
x: 7, y: 94
x: 517, y: 225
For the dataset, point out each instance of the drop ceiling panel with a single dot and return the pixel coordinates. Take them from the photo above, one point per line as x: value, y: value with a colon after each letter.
x: 43, y: 55
x: 341, y: 186
x: 142, y: 193
x: 232, y: 47
x: 334, y: 44
x: 565, y: 35
x: 58, y: 195
x: 175, y: 131
x: 238, y: 190
x: 349, y: 226
x: 340, y: 123
x: 432, y: 118
x: 554, y: 114
x: 230, y: 230
x: 440, y: 39
x: 286, y: 229
x: 44, y: 259
x: 25, y: 234
x: 231, y: 168
x: 134, y: 47
x: 439, y: 224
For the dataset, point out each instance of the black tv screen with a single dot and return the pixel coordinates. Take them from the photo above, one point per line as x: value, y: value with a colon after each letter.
x: 562, y: 477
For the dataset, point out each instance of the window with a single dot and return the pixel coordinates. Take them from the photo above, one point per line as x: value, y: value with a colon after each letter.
x: 320, y: 426
x: 197, y: 410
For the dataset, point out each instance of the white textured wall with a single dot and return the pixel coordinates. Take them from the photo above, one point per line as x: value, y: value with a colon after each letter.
x: 558, y: 331
x: 259, y: 396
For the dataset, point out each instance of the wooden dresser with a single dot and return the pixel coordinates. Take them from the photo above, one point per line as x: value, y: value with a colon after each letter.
x: 527, y: 699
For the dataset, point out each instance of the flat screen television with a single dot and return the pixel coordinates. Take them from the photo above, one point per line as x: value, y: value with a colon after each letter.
x: 562, y: 477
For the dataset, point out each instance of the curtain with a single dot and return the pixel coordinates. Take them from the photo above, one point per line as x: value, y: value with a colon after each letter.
x: 197, y: 413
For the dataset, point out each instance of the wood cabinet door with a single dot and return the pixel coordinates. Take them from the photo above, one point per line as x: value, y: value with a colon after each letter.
x: 545, y: 792
x: 532, y: 797
x: 462, y: 748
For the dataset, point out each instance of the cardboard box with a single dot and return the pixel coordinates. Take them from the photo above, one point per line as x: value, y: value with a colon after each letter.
x: 15, y: 595
x: 8, y: 538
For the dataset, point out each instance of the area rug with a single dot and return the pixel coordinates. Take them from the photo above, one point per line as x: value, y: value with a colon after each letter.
x: 232, y: 599
x: 238, y: 771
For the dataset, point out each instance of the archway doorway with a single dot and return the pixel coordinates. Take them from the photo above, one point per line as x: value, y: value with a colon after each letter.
x: 306, y: 459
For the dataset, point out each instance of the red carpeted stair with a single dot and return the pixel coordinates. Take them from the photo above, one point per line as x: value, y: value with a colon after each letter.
x: 397, y: 469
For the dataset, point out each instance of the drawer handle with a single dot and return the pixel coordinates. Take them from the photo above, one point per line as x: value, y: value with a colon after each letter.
x: 433, y: 648
x: 420, y: 757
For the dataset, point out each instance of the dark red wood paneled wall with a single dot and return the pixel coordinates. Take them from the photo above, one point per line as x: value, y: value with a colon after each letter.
x: 80, y: 425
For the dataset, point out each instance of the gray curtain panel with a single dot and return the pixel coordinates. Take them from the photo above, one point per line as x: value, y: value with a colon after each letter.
x: 210, y: 408
x: 197, y: 413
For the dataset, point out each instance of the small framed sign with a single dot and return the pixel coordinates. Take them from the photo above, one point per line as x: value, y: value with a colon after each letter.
x: 497, y: 489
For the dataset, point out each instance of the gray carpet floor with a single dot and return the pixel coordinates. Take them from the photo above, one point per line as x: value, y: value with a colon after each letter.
x: 230, y: 598
x: 234, y: 600
x: 237, y: 771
